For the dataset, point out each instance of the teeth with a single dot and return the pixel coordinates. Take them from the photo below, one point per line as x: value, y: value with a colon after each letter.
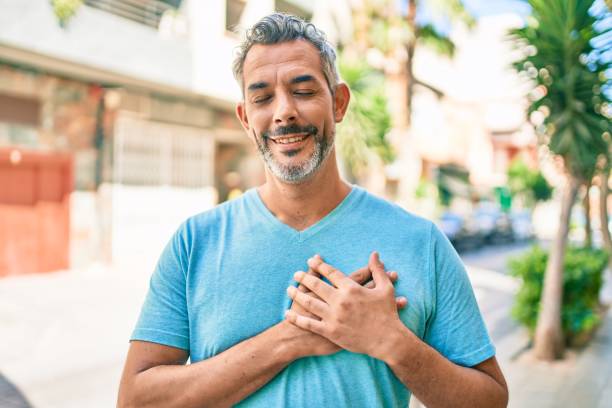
x: 290, y: 140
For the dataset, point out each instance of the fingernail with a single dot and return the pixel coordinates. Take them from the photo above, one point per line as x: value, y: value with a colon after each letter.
x: 298, y: 276
x: 291, y: 290
x: 311, y: 262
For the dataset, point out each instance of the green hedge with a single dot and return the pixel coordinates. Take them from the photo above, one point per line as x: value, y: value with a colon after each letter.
x: 582, y: 281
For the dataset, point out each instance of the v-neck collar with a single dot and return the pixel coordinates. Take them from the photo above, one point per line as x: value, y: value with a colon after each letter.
x: 346, y: 204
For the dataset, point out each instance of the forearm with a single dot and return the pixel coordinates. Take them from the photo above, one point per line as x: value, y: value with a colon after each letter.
x: 436, y: 381
x: 220, y: 381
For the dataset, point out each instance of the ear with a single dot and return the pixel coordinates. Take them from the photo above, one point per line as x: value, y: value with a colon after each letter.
x: 242, y: 116
x: 341, y: 101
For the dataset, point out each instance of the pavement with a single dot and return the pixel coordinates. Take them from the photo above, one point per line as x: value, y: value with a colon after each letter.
x: 63, y: 338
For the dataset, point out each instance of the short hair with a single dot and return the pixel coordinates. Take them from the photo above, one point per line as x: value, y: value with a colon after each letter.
x: 277, y: 28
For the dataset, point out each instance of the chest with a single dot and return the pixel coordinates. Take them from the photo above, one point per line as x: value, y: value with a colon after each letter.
x: 238, y: 289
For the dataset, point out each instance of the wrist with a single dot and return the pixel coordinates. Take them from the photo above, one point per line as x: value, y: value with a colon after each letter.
x: 289, y: 344
x: 397, y: 345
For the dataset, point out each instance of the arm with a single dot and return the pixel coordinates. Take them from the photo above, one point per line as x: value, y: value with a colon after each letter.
x: 426, y: 373
x: 156, y: 375
x: 363, y: 320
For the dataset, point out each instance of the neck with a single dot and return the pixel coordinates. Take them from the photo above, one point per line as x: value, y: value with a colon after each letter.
x: 304, y: 204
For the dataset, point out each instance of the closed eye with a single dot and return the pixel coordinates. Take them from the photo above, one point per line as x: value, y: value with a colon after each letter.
x: 304, y: 92
x: 262, y: 99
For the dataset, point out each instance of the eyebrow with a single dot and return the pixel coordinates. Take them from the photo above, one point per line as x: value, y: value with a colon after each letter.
x: 302, y: 78
x: 298, y: 79
x: 258, y: 85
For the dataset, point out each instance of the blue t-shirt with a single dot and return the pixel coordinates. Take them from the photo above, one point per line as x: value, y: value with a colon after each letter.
x: 223, y: 276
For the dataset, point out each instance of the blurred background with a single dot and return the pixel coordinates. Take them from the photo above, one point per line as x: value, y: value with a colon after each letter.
x: 117, y: 122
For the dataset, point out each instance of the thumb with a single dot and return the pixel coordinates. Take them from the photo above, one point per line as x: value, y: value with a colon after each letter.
x: 378, y: 271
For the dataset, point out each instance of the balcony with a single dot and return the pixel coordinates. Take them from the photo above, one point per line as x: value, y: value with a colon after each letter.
x: 147, y: 12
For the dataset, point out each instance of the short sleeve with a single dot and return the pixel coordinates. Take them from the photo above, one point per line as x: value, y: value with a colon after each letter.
x: 163, y: 318
x: 455, y: 328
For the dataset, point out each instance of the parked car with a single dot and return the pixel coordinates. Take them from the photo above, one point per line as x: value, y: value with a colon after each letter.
x: 494, y: 226
x: 522, y: 225
x: 461, y: 231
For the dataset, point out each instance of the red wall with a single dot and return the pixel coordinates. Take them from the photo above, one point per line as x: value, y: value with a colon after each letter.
x: 34, y: 211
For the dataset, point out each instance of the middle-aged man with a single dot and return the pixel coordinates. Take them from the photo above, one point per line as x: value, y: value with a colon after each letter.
x: 226, y: 294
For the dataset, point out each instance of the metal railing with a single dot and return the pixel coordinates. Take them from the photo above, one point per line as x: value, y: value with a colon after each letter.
x: 147, y: 12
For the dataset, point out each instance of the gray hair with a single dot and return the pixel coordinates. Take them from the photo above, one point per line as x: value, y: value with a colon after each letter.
x: 278, y: 28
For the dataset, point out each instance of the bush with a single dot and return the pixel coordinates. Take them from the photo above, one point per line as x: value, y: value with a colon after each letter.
x: 582, y: 281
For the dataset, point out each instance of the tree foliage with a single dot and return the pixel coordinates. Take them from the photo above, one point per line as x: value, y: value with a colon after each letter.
x: 528, y: 183
x: 581, y: 286
x: 364, y: 129
x: 569, y: 77
x: 65, y: 9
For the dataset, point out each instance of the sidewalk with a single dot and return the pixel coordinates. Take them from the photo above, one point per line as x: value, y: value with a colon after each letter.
x: 64, y: 336
x: 583, y: 379
x: 64, y: 339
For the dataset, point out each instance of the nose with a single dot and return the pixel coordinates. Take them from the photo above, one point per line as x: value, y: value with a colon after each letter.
x: 285, y: 112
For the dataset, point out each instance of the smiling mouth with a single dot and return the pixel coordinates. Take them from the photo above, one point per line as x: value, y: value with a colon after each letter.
x: 290, y: 139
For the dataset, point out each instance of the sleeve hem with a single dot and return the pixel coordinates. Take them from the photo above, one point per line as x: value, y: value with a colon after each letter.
x: 160, y: 337
x: 475, y: 357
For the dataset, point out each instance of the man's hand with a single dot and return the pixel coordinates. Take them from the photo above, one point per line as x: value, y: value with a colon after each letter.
x: 314, y: 344
x: 347, y: 314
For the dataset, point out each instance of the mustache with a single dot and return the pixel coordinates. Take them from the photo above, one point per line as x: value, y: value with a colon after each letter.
x: 287, y: 130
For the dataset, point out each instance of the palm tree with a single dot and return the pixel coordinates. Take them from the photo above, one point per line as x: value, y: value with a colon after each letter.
x: 567, y: 75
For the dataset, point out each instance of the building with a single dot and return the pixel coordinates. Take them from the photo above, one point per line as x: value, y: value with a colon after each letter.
x: 140, y: 96
x: 472, y: 114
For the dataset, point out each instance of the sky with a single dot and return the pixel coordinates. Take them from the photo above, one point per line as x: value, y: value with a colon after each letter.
x: 479, y: 8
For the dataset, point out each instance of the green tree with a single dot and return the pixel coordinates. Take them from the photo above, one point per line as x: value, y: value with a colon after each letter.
x: 363, y: 132
x: 528, y: 183
x: 567, y: 74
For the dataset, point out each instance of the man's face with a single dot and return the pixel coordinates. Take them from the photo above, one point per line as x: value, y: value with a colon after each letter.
x: 288, y: 108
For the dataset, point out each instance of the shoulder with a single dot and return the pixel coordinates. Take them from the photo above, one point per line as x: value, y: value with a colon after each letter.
x: 209, y: 222
x: 380, y: 211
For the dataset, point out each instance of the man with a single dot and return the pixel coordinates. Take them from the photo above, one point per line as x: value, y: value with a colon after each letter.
x: 224, y: 296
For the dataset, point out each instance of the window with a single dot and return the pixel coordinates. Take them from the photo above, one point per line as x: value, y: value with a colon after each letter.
x: 19, y: 121
x: 22, y: 111
x: 297, y: 8
x: 233, y: 13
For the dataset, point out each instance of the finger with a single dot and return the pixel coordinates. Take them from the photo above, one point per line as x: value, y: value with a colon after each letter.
x: 361, y: 275
x: 315, y: 285
x: 337, y: 278
x: 392, y: 276
x: 306, y: 323
x: 301, y: 287
x: 309, y: 303
x: 378, y: 272
x: 401, y: 302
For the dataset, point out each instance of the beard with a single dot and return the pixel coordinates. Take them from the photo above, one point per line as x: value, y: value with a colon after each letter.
x: 299, y: 172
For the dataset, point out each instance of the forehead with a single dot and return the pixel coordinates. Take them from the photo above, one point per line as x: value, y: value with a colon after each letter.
x: 298, y: 55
